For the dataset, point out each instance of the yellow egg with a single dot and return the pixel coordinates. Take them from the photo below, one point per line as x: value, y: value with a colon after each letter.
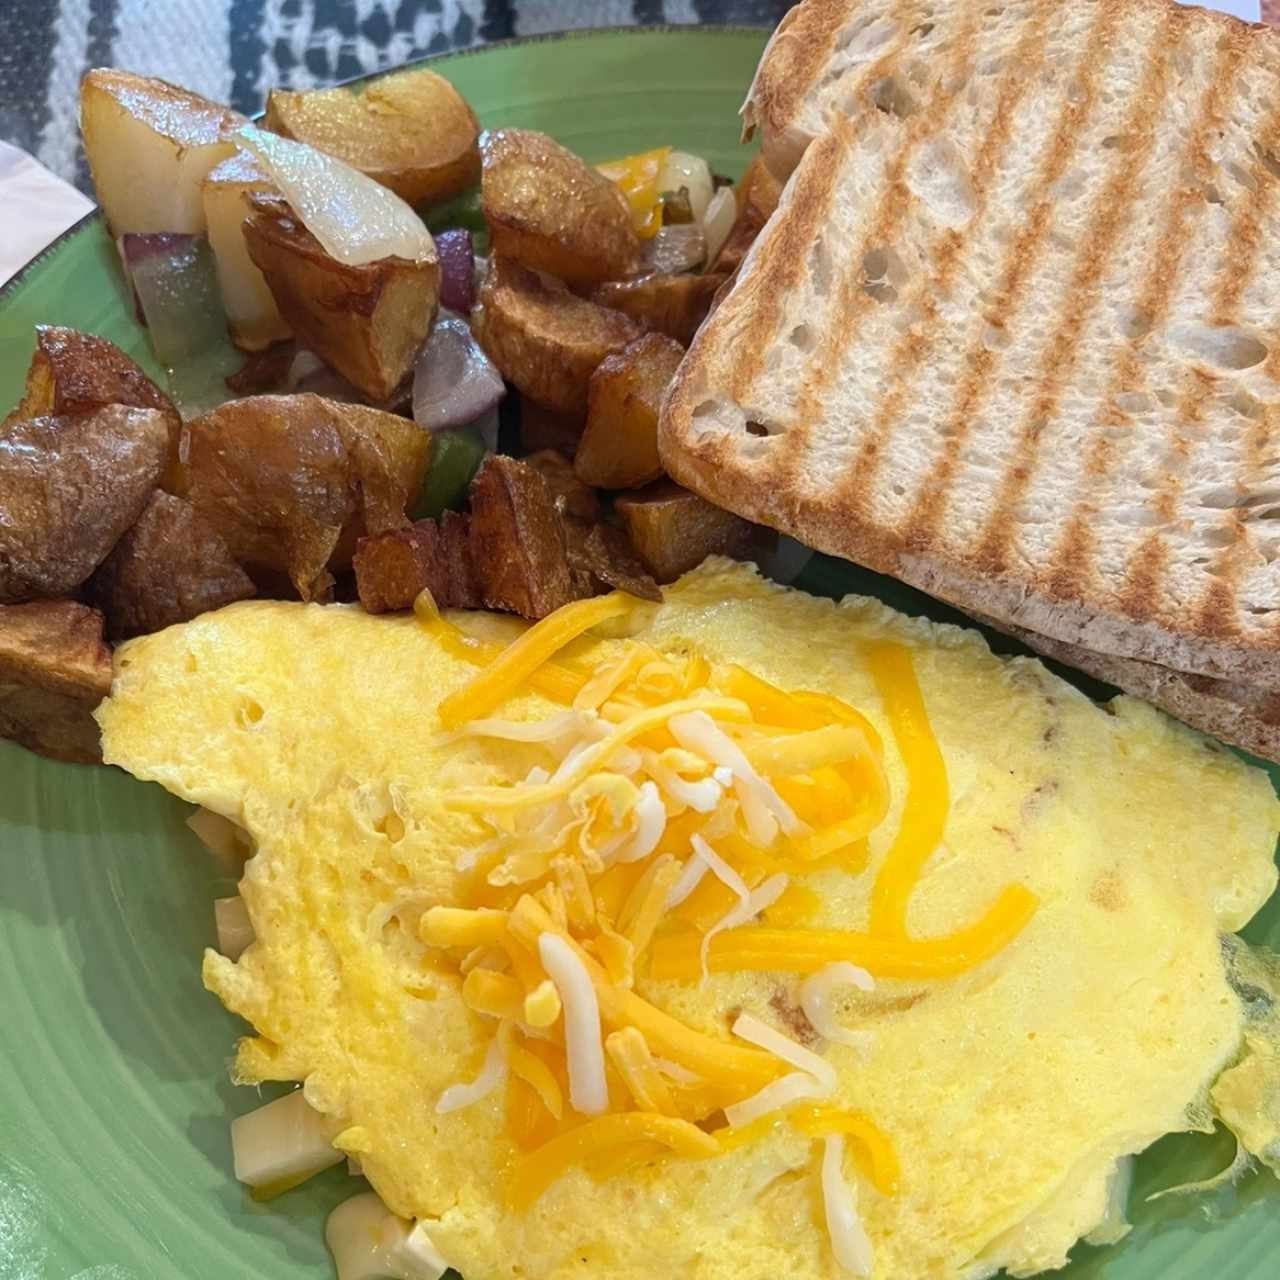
x: 1009, y: 1092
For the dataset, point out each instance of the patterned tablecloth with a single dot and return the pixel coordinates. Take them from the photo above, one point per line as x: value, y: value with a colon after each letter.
x: 234, y: 50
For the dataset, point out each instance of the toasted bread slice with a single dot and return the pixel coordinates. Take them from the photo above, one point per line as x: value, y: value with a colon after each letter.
x: 1010, y: 334
x: 1244, y: 715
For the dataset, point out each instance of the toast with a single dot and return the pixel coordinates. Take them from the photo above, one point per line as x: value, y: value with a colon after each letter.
x: 1010, y: 334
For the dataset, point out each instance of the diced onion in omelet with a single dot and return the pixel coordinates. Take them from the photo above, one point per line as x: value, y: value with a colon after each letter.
x: 229, y: 844
x: 235, y: 929
x: 369, y: 1242
x: 282, y: 1144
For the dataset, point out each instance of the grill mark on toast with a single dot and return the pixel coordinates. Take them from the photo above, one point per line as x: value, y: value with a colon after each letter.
x: 1217, y: 612
x: 1073, y: 557
x: 850, y: 299
x: 920, y: 528
x: 853, y: 494
x: 751, y: 356
x: 1110, y: 212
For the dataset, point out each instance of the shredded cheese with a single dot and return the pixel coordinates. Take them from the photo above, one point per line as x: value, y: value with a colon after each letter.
x: 749, y: 1028
x: 815, y: 1000
x: 587, y: 1088
x: 881, y: 1159
x: 849, y: 1242
x: 493, y: 1075
x: 773, y: 1098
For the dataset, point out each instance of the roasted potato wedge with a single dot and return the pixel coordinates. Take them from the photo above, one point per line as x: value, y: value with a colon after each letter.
x: 571, y: 496
x: 547, y: 209
x: 517, y: 540
x: 757, y: 196
x: 673, y: 530
x: 291, y: 482
x: 54, y: 670
x: 544, y: 339
x: 366, y: 322
x: 672, y: 304
x: 170, y: 567
x: 253, y: 318
x: 619, y: 448
x: 602, y: 558
x: 394, y: 568
x: 149, y: 145
x: 69, y: 487
x: 542, y: 428
x: 411, y: 131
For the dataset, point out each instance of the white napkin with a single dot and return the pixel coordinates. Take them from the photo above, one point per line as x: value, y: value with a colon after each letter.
x: 35, y: 208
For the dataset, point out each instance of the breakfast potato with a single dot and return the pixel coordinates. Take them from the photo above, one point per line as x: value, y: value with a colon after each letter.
x: 149, y: 145
x: 69, y: 487
x: 757, y: 196
x: 672, y: 304
x: 619, y: 448
x: 291, y: 482
x: 54, y: 670
x: 602, y: 558
x: 411, y: 131
x: 544, y: 339
x: 253, y: 318
x: 673, y: 530
x: 367, y: 322
x: 169, y: 567
x: 542, y: 428
x: 547, y: 209
x: 394, y: 568
x: 571, y: 496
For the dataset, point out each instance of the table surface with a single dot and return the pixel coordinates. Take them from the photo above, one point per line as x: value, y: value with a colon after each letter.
x: 235, y: 50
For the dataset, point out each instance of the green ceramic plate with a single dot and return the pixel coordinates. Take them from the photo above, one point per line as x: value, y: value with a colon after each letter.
x: 114, y: 1101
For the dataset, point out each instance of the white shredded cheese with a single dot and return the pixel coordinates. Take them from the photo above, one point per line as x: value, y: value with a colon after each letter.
x: 815, y: 1000
x: 651, y: 821
x: 493, y: 1075
x: 584, y: 1047
x: 723, y: 871
x: 690, y: 878
x: 701, y: 796
x: 749, y: 1028
x: 744, y: 910
x: 556, y: 726
x: 775, y: 1096
x: 674, y: 1071
x: 849, y: 1241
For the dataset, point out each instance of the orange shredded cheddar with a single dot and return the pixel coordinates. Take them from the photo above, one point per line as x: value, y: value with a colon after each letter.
x: 874, y: 1152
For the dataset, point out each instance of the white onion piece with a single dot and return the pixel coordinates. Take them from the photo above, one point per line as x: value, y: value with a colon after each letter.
x: 369, y: 1242
x: 749, y: 1028
x: 226, y: 841
x: 815, y: 1000
x: 651, y: 822
x: 356, y: 219
x: 675, y: 249
x: 235, y: 930
x: 849, y: 1242
x: 454, y: 383
x: 776, y: 1096
x: 786, y: 561
x: 584, y: 1047
x: 683, y: 169
x: 696, y: 731
x: 493, y: 1075
x: 695, y: 869
x: 721, y: 214
x: 285, y: 1141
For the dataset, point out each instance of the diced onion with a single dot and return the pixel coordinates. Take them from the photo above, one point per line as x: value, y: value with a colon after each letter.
x: 356, y: 219
x: 235, y: 930
x: 283, y: 1143
x: 228, y: 842
x: 369, y: 1242
x: 749, y: 1028
x: 651, y: 822
x: 776, y: 1096
x: 849, y: 1242
x: 493, y: 1075
x: 815, y: 1000
x: 683, y: 169
x: 454, y: 383
x: 584, y: 1047
x: 721, y: 214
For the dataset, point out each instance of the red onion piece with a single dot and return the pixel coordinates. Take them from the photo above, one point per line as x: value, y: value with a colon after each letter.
x: 454, y: 382
x: 457, y: 269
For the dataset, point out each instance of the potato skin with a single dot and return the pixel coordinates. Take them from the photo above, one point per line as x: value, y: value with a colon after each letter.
x: 547, y: 209
x: 619, y: 448
x: 291, y: 482
x: 69, y: 487
x: 54, y: 670
x: 170, y: 567
x: 544, y: 339
x: 411, y: 131
x: 366, y: 322
x: 674, y: 530
x: 672, y: 304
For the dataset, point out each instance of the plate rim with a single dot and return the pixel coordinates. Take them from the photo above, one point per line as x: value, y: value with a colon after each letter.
x: 11, y: 285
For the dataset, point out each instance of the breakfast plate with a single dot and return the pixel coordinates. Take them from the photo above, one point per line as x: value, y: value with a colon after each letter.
x: 115, y: 1161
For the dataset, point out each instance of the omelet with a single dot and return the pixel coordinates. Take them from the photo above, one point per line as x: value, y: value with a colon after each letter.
x: 1027, y: 928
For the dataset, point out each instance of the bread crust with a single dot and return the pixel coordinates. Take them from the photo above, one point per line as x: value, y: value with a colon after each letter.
x: 1217, y: 615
